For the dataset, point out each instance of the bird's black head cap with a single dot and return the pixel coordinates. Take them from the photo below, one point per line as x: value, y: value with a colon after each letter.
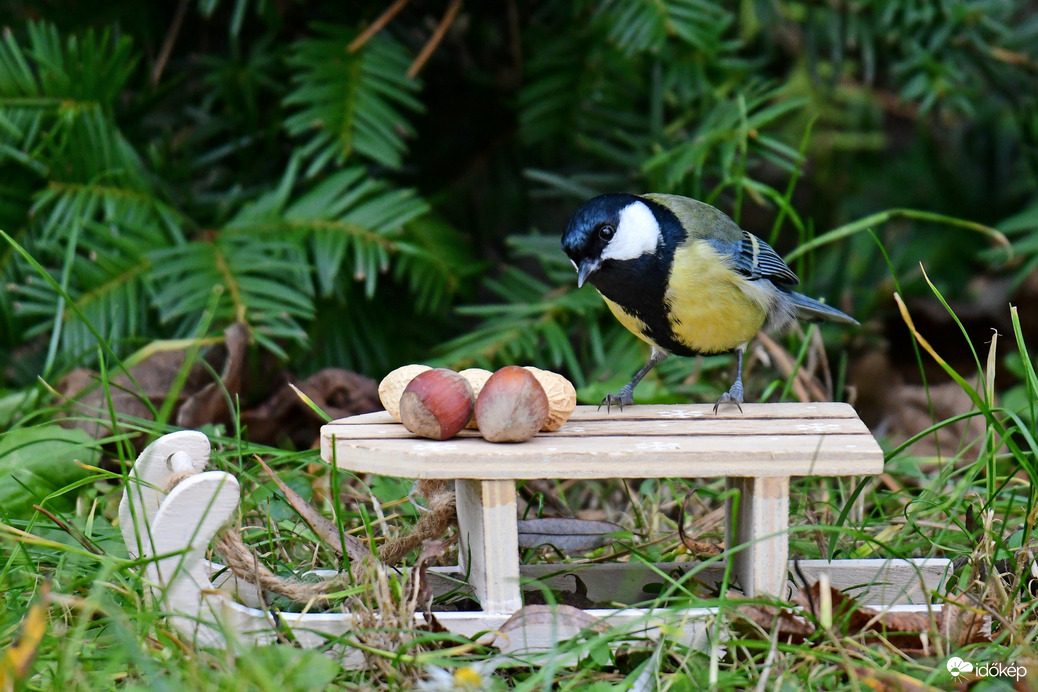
x: 583, y: 239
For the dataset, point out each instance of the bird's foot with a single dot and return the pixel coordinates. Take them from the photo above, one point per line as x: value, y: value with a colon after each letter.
x: 732, y: 396
x: 625, y: 397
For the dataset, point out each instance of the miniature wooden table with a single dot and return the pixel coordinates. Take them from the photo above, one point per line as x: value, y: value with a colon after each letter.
x: 756, y: 451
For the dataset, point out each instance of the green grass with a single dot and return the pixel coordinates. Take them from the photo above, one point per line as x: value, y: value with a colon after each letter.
x: 104, y: 631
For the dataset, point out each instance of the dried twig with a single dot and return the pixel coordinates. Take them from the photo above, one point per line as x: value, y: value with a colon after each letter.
x: 434, y: 40
x: 167, y: 45
x: 376, y: 26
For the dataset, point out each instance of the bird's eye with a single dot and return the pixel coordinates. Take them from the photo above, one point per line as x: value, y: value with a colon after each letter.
x: 605, y: 232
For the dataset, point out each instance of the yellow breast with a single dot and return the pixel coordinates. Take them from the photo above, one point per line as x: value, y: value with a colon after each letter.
x: 632, y: 323
x: 711, y: 307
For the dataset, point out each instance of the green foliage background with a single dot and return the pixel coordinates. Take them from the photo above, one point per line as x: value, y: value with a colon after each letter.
x: 169, y: 168
x: 174, y: 167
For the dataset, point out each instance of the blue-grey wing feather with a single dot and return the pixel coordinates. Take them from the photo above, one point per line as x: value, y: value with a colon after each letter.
x: 755, y: 259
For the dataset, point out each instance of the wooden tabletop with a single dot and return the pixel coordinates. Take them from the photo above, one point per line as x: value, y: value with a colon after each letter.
x: 642, y: 441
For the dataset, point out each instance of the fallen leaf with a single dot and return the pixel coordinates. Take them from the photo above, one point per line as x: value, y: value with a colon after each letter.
x: 566, y: 534
x: 37, y: 462
x: 417, y: 581
x: 962, y: 622
x: 137, y: 393
x: 155, y: 371
x: 959, y: 622
x: 901, y: 629
x: 19, y: 656
x: 806, y: 387
x: 792, y: 627
x: 899, y: 411
x: 560, y: 616
x: 883, y: 680
x: 210, y: 403
x: 338, y: 393
x: 694, y: 546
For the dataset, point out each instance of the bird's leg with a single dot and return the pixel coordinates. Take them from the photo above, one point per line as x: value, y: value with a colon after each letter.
x: 625, y: 397
x: 734, y: 395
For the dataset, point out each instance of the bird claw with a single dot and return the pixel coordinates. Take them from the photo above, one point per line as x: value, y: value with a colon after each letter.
x: 729, y: 398
x: 622, y: 399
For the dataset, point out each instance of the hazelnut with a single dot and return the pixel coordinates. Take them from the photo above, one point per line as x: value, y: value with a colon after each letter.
x: 476, y: 377
x: 562, y: 397
x: 436, y: 404
x: 393, y: 384
x: 512, y: 406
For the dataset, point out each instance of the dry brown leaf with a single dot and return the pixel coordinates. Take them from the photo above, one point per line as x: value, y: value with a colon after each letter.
x: 148, y: 384
x: 338, y: 393
x: 899, y: 411
x: 694, y: 546
x: 418, y: 581
x: 805, y: 386
x: 792, y: 628
x: 203, y: 399
x: 959, y: 623
x: 901, y: 629
x: 210, y: 403
x: 560, y: 616
x: 962, y: 622
x: 16, y: 662
x: 890, y: 681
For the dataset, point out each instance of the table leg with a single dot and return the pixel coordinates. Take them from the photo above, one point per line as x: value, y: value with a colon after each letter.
x: 489, y: 542
x: 762, y: 521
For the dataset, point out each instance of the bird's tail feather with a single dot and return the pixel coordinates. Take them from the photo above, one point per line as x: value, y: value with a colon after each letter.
x: 811, y: 310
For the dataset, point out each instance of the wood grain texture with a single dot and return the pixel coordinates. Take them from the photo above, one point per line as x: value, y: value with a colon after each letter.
x: 689, y: 441
x: 149, y: 479
x: 757, y: 526
x: 179, y: 525
x: 489, y: 542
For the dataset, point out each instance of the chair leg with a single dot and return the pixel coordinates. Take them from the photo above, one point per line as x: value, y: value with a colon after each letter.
x: 762, y: 522
x: 489, y: 542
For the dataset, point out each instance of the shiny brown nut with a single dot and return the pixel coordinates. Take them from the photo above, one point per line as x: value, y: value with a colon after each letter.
x: 436, y: 404
x: 562, y: 397
x: 512, y: 406
x: 393, y: 384
x: 476, y: 377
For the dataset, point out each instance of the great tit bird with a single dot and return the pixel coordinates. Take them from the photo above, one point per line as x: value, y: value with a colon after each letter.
x: 684, y: 278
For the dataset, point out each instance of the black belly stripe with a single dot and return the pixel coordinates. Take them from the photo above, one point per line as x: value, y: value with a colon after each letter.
x: 639, y: 287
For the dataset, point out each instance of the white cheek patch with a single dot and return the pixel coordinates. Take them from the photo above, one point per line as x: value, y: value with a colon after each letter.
x: 637, y: 234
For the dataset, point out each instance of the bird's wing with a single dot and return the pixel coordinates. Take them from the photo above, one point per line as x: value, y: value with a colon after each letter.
x: 758, y: 260
x: 750, y: 255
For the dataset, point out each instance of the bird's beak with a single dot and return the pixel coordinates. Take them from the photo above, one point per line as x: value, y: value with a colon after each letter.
x: 586, y: 269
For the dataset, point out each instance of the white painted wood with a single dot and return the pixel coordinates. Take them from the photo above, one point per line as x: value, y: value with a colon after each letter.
x: 187, y: 521
x: 757, y: 451
x: 549, y: 456
x: 829, y: 409
x: 873, y: 582
x: 148, y: 481
x: 668, y: 442
x: 881, y: 582
x: 489, y: 542
x: 660, y: 426
x: 757, y: 528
